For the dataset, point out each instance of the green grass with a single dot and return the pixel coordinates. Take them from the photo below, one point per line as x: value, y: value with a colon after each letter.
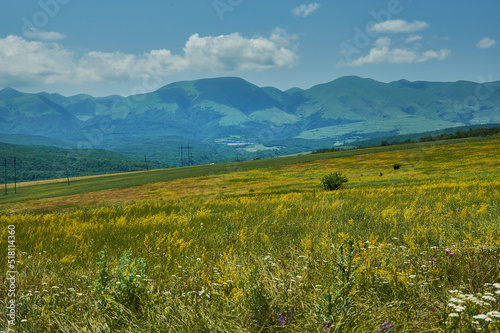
x: 140, y: 178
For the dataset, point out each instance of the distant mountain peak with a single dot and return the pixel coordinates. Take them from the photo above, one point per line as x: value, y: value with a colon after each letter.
x: 8, y: 93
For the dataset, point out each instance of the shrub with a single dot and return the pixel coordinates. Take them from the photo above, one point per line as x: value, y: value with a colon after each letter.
x: 127, y: 283
x: 397, y: 166
x: 333, y: 181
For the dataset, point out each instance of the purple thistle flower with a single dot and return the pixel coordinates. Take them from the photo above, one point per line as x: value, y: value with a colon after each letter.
x: 386, y: 326
x: 326, y: 327
x: 281, y: 321
x: 284, y: 321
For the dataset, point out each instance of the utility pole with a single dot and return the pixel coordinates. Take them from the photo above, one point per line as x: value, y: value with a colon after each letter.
x: 67, y: 174
x: 6, y: 175
x: 189, y: 158
x: 145, y: 161
x: 15, y: 177
x: 182, y: 158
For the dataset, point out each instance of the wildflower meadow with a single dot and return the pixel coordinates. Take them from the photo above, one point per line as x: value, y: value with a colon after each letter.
x: 408, y: 249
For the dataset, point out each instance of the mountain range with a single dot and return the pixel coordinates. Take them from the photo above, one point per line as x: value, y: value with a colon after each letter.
x: 227, y: 118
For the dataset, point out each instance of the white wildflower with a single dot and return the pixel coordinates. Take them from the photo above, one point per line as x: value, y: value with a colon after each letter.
x: 480, y: 317
x: 494, y: 314
x: 456, y: 300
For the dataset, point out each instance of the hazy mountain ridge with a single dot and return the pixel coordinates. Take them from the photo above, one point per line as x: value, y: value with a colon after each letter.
x: 230, y: 115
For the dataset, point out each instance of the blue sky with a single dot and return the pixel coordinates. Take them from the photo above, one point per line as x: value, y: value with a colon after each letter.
x: 104, y: 47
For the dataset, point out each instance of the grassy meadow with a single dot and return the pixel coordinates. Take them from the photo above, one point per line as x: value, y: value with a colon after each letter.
x: 415, y: 249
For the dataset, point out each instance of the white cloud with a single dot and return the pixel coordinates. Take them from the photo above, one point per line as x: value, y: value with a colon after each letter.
x: 43, y: 35
x: 305, y: 10
x: 398, y: 26
x: 382, y: 41
x: 282, y: 39
x: 24, y: 62
x: 233, y: 52
x: 381, y: 53
x: 486, y: 43
x: 413, y: 38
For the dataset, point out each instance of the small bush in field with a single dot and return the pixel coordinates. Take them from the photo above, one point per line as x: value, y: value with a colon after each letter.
x: 333, y: 181
x: 127, y: 283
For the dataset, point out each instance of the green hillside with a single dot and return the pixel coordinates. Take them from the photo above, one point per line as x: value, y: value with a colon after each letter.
x: 35, y: 162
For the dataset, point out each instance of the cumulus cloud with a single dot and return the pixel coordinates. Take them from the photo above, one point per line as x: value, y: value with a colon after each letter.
x: 382, y: 53
x: 23, y: 62
x: 398, y: 26
x: 413, y: 38
x: 233, y: 52
x: 486, y: 43
x: 26, y: 62
x: 43, y: 35
x: 305, y: 10
x: 382, y: 41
